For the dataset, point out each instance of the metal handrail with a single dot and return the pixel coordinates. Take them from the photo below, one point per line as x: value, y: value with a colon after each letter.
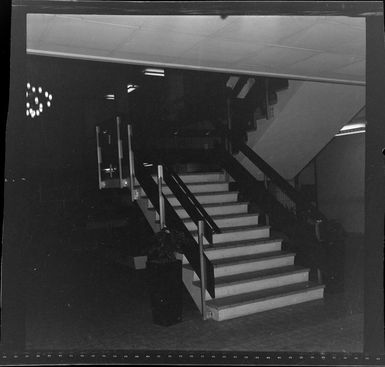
x: 190, y: 248
x: 162, y: 218
x: 131, y: 163
x: 197, y: 205
x: 271, y: 173
x: 202, y: 268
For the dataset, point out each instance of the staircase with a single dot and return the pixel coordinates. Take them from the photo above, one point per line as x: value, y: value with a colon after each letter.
x: 252, y: 272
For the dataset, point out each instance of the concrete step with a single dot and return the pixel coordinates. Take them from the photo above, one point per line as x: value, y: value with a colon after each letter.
x: 243, y: 248
x: 202, y: 187
x: 195, y: 177
x: 205, y: 198
x: 253, y: 281
x: 255, y: 262
x: 215, y: 209
x: 262, y: 300
x: 227, y: 220
x: 237, y: 234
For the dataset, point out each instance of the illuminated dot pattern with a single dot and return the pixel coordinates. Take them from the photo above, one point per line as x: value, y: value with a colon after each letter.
x: 37, y: 98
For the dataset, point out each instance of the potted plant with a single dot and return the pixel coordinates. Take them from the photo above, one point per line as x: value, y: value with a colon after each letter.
x: 164, y: 272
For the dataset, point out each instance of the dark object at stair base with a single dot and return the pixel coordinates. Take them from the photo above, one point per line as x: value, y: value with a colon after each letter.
x: 165, y: 286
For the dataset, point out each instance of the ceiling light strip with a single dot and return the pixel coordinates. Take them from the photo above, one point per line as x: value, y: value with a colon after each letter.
x: 189, y: 67
x: 350, y: 133
x: 352, y: 126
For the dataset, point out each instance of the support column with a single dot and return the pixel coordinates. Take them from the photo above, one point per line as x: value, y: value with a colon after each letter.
x: 374, y: 186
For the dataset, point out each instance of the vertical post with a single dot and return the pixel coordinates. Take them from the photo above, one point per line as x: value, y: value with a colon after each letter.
x: 120, y: 151
x: 229, y: 124
x: 99, y: 155
x: 317, y: 229
x: 131, y: 162
x: 202, y: 266
x: 265, y: 182
x: 374, y: 185
x: 267, y: 99
x: 161, y: 198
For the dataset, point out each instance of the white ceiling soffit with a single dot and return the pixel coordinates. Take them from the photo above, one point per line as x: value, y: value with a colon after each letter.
x: 328, y: 48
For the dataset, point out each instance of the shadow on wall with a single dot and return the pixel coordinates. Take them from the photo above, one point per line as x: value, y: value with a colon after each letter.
x: 341, y: 181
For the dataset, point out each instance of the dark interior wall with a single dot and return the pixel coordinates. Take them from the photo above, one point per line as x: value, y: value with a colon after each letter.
x: 61, y: 143
x: 62, y: 138
x: 341, y: 181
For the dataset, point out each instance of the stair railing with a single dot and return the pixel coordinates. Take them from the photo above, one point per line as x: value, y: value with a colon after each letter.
x: 162, y: 219
x: 131, y: 164
x: 173, y: 222
x: 320, y: 237
x: 199, y: 213
x: 201, y: 226
x: 99, y: 157
x: 311, y: 234
x: 168, y: 216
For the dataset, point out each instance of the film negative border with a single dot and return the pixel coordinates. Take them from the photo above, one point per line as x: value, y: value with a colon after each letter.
x: 188, y: 357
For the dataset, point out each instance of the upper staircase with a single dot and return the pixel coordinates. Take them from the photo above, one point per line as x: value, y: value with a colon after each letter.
x: 252, y: 272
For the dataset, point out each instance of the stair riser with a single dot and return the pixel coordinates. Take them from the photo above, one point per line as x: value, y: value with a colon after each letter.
x: 256, y: 285
x: 243, y: 250
x: 221, y: 271
x: 238, y: 235
x: 228, y: 222
x: 209, y: 187
x: 206, y: 199
x: 217, y: 210
x: 211, y: 177
x: 242, y: 310
x: 192, y: 178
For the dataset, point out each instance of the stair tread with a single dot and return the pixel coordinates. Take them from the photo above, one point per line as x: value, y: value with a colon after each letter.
x: 236, y: 229
x: 213, y: 205
x: 254, y: 275
x: 240, y: 243
x: 200, y: 173
x: 256, y: 296
x: 208, y: 193
x: 249, y: 258
x: 229, y: 216
x: 204, y: 183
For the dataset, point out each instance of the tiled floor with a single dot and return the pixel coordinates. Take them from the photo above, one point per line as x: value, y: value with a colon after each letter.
x: 80, y: 298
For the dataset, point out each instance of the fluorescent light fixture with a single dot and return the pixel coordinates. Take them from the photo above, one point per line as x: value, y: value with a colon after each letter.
x: 349, y: 129
x: 351, y: 133
x: 353, y: 126
x: 131, y: 87
x: 154, y: 72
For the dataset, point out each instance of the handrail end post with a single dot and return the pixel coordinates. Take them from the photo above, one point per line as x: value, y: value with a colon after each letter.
x: 202, y: 268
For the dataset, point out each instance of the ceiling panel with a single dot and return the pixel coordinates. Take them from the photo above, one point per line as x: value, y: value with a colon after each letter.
x: 325, y: 37
x: 203, y: 25
x: 161, y: 43
x: 224, y: 50
x: 356, y: 69
x: 265, y: 29
x: 37, y: 26
x: 278, y: 56
x: 70, y: 31
x: 301, y: 46
x: 324, y: 61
